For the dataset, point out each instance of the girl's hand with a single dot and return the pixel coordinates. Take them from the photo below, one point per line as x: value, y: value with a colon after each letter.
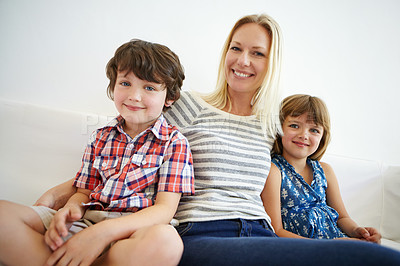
x: 369, y: 234
x: 60, y: 225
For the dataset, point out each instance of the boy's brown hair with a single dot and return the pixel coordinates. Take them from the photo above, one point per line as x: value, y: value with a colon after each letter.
x: 298, y: 104
x: 148, y: 61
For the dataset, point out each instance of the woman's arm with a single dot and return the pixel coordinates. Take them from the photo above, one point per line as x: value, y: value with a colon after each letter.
x: 57, y: 196
x: 271, y: 197
x: 334, y: 200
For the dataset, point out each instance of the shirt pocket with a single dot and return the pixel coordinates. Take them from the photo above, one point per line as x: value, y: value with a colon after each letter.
x: 143, y: 171
x: 106, y: 166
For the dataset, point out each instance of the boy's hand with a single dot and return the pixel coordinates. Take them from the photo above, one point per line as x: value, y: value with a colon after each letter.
x: 60, y: 224
x: 81, y: 249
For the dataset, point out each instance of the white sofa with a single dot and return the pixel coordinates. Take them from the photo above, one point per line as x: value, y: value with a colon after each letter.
x: 42, y: 147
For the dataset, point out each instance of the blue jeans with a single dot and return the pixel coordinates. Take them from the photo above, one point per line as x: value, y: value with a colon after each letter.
x: 244, y: 242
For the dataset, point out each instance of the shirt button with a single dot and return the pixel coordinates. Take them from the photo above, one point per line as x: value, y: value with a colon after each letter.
x: 144, y: 162
x: 130, y: 146
x: 104, y: 164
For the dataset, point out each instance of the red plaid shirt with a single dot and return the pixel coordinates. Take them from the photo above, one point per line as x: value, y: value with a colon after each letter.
x: 125, y: 174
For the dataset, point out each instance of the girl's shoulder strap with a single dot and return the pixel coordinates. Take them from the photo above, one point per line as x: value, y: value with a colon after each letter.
x: 279, y: 161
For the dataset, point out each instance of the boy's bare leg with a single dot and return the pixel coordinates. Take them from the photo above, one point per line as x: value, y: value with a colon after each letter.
x: 21, y: 235
x: 155, y: 245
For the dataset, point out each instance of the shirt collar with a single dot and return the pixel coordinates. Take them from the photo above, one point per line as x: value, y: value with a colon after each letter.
x: 159, y: 129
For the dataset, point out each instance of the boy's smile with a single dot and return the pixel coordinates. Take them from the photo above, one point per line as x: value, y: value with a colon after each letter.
x: 138, y: 101
x: 133, y: 108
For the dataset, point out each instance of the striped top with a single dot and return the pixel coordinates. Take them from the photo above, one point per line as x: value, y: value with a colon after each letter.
x: 231, y: 159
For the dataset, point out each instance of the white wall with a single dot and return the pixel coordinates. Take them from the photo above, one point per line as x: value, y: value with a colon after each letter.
x: 53, y: 53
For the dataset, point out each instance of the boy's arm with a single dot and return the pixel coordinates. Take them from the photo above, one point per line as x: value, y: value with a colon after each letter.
x: 177, y: 178
x: 161, y: 212
x: 271, y: 197
x: 334, y: 200
x: 56, y: 197
x: 88, y: 244
x: 72, y: 211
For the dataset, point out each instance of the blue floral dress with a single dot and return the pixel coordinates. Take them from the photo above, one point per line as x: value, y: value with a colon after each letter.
x: 303, y: 207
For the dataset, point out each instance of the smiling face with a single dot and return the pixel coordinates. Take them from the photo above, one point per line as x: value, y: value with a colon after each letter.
x: 301, y: 137
x: 247, y: 58
x: 138, y: 101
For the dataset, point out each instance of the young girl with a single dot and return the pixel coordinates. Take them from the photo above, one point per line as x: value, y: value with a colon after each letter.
x: 301, y: 194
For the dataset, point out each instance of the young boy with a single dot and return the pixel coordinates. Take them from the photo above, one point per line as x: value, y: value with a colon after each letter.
x: 134, y: 170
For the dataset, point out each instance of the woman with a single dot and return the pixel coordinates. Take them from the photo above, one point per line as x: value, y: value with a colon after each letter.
x: 230, y: 133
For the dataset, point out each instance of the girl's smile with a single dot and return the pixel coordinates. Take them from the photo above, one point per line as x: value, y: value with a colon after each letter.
x: 301, y: 137
x: 300, y: 144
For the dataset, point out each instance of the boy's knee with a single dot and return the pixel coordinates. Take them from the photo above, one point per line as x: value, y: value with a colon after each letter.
x: 164, y: 233
x: 4, y: 208
x: 3, y: 203
x: 6, y: 213
x: 155, y: 245
x: 165, y: 236
x: 168, y: 242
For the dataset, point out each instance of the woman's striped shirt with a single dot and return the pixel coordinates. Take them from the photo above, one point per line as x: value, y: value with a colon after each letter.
x: 231, y: 159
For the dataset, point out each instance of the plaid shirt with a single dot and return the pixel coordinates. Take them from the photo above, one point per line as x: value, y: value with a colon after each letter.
x: 125, y: 174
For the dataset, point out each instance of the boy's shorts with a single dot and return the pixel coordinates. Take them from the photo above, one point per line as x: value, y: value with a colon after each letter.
x: 91, y: 217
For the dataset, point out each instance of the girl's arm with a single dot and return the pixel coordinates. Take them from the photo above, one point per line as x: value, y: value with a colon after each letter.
x: 334, y: 200
x: 271, y: 197
x: 88, y: 244
x: 57, y: 196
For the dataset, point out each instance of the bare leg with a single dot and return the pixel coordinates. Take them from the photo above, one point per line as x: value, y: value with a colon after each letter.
x: 155, y: 245
x: 21, y: 235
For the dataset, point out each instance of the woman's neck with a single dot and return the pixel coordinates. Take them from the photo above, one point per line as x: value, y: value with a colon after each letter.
x: 240, y: 105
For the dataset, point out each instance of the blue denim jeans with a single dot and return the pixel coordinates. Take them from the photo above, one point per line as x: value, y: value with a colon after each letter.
x: 244, y: 242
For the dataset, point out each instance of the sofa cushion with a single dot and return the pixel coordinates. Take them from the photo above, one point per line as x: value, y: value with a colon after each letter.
x: 361, y: 187
x: 41, y: 147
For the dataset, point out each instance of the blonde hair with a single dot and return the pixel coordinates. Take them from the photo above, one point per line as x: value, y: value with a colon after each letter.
x: 299, y: 104
x: 265, y: 103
